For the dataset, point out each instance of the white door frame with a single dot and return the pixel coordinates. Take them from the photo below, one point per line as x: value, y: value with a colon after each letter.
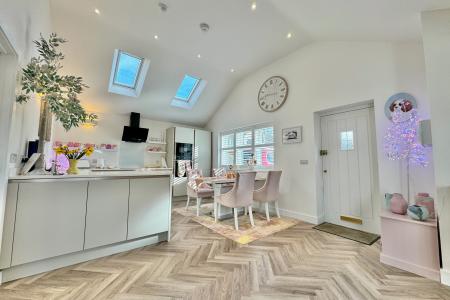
x: 8, y: 72
x: 319, y: 168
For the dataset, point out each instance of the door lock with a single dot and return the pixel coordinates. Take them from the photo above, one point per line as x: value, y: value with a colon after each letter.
x: 325, y: 171
x: 323, y: 152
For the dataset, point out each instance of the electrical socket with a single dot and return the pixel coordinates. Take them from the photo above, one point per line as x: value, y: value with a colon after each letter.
x: 13, y: 158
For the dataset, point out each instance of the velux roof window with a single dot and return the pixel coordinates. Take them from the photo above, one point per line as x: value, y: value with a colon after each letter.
x: 128, y: 74
x: 188, y: 92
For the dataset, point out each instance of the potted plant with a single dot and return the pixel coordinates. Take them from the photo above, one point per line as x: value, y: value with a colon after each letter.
x: 58, y: 93
x: 73, y: 155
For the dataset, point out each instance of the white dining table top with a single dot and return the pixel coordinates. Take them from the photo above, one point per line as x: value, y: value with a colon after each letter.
x: 224, y: 180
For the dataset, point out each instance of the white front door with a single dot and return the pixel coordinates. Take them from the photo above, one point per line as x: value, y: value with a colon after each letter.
x: 348, y: 141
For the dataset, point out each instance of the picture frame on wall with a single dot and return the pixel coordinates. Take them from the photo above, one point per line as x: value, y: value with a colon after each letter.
x: 292, y: 135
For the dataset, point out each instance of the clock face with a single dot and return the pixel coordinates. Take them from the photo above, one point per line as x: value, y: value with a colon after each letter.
x: 273, y: 93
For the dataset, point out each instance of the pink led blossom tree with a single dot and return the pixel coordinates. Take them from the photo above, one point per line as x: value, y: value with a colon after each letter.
x: 401, y: 142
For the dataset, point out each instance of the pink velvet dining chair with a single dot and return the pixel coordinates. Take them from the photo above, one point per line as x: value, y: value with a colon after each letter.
x: 240, y: 196
x: 197, y: 189
x: 270, y: 192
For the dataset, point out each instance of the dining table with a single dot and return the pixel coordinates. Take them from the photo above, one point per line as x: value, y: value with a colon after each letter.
x: 224, y: 184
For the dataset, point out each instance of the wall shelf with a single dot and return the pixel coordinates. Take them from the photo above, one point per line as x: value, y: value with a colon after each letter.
x: 157, y: 152
x: 157, y: 143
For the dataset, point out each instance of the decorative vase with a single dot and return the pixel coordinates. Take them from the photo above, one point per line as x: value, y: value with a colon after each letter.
x: 73, y: 166
x: 398, y: 204
x: 424, y: 199
x: 417, y: 212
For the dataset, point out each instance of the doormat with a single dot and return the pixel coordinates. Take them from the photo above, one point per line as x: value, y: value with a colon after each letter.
x: 348, y: 233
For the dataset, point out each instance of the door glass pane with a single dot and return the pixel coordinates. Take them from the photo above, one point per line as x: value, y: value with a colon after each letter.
x: 243, y: 156
x: 227, y: 157
x: 264, y: 136
x: 228, y: 140
x: 347, y: 140
x: 244, y: 138
x: 264, y: 156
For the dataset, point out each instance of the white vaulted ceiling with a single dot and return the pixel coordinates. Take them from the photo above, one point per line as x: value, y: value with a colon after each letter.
x: 239, y: 39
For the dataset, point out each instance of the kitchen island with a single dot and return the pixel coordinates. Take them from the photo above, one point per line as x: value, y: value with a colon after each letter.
x: 54, y: 221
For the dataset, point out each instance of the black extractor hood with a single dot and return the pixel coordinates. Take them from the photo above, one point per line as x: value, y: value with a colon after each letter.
x: 134, y: 133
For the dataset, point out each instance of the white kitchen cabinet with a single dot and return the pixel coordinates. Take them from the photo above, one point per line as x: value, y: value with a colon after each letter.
x: 8, y: 225
x: 184, y: 135
x: 107, y: 212
x: 50, y: 220
x: 202, y: 151
x: 149, y: 206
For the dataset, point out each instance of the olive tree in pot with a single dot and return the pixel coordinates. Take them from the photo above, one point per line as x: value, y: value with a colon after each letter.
x: 58, y: 93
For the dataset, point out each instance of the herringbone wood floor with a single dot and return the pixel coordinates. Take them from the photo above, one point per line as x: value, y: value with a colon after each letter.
x: 298, y: 263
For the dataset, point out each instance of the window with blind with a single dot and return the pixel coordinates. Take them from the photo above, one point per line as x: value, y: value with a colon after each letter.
x: 239, y: 147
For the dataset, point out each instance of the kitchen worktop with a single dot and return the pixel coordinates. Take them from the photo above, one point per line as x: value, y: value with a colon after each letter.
x: 94, y: 175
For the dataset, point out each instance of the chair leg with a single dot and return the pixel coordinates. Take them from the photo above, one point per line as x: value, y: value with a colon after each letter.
x: 216, y: 204
x: 218, y: 209
x: 187, y: 203
x: 245, y: 211
x: 250, y: 213
x: 199, y: 202
x: 277, y: 209
x: 236, y: 224
x: 267, y: 212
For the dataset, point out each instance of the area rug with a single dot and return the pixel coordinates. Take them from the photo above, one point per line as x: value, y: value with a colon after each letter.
x: 192, y: 209
x: 246, y: 233
x: 348, y: 233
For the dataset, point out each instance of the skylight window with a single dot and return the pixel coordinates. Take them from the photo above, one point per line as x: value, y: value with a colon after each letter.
x: 187, y: 88
x: 127, y: 70
x: 128, y: 74
x: 188, y: 92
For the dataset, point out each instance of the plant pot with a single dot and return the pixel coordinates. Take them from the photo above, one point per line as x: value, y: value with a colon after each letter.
x: 73, y: 167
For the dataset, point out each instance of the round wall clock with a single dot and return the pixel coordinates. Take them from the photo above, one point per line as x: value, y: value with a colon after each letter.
x: 273, y: 93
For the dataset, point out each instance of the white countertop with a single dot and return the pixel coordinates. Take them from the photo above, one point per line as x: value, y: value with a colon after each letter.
x: 90, y: 174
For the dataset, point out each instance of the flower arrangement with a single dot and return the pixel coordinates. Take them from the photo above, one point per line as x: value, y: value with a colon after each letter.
x: 76, y: 153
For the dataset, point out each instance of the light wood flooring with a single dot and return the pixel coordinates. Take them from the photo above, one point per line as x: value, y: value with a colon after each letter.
x: 298, y: 263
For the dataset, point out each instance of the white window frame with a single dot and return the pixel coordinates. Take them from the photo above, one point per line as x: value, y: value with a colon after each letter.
x: 252, y: 146
x: 193, y: 97
x: 140, y: 79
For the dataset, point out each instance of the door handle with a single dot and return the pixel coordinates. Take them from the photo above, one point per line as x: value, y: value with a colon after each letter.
x: 325, y: 171
x: 323, y: 152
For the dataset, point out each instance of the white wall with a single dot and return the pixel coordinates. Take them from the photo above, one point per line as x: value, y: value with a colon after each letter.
x: 436, y: 38
x: 23, y: 21
x: 109, y: 131
x: 322, y: 76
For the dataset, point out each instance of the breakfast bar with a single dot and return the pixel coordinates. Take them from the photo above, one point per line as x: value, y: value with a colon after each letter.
x: 53, y: 221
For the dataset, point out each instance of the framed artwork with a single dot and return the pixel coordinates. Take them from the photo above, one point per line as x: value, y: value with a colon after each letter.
x: 292, y: 135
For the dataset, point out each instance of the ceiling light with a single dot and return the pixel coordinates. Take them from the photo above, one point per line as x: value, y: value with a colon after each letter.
x: 199, y: 56
x: 97, y: 11
x: 156, y: 37
x: 254, y: 6
x: 289, y: 35
x: 232, y: 70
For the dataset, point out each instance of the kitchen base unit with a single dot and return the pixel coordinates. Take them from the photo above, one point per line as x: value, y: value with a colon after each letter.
x: 56, y: 221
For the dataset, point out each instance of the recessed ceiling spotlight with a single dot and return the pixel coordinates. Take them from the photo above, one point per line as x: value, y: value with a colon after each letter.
x: 232, y: 70
x: 97, y: 11
x: 289, y: 35
x: 199, y: 56
x: 156, y: 37
x: 253, y: 5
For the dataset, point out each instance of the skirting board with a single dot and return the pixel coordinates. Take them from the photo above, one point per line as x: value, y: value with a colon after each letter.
x: 300, y: 216
x: 445, y: 277
x: 53, y: 263
x: 413, y: 268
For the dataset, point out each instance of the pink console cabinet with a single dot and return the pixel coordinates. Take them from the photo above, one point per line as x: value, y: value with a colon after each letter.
x: 410, y: 245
